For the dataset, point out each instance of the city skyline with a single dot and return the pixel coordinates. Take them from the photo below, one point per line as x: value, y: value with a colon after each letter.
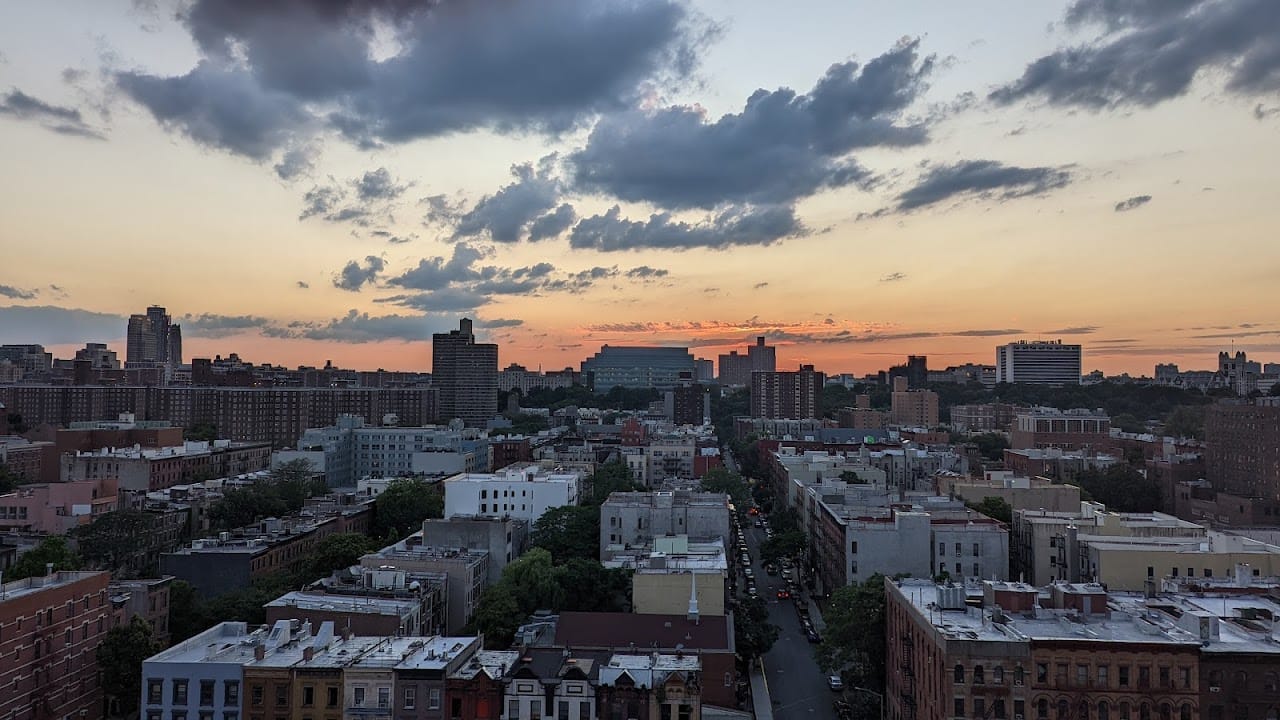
x: 983, y: 174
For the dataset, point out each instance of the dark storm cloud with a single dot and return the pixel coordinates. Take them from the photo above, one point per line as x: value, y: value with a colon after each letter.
x: 1151, y: 51
x: 781, y: 147
x: 553, y: 224
x: 378, y: 185
x: 296, y: 162
x: 212, y: 325
x: 274, y: 73
x: 735, y: 226
x: 437, y: 272
x: 506, y: 215
x: 50, y: 325
x: 17, y: 293
x: 1132, y: 203
x: 56, y: 118
x: 986, y: 179
x: 355, y: 275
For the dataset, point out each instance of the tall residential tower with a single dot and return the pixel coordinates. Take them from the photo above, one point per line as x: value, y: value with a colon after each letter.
x: 466, y: 372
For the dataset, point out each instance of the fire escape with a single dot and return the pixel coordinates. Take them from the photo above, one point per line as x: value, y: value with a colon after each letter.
x: 906, y: 665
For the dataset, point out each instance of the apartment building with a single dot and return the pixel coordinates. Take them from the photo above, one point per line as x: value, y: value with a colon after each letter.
x: 1038, y: 363
x: 787, y: 395
x: 1243, y: 448
x: 466, y: 572
x: 1020, y: 492
x: 56, y: 508
x: 913, y: 408
x: 524, y: 492
x: 50, y: 629
x: 466, y: 374
x: 140, y: 470
x: 1077, y: 429
x: 637, y: 518
x: 673, y: 575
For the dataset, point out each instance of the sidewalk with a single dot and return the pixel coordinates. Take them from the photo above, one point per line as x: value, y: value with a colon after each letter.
x: 815, y: 616
x: 761, y: 702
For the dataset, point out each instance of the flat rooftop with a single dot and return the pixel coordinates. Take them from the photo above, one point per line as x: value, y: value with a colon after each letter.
x: 366, y: 605
x: 25, y: 587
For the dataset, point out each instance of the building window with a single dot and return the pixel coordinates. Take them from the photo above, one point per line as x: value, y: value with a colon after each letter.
x: 1184, y: 712
x: 854, y: 548
x: 942, y: 549
x: 1144, y: 676
x: 958, y: 710
x: 562, y: 710
x: 178, y: 715
x: 979, y: 708
x: 1104, y: 710
x: 513, y: 708
x: 1082, y: 675
x: 535, y: 708
x: 1042, y: 709
x: 282, y: 695
x: 384, y: 697
x: 179, y: 692
x: 958, y: 672
x: 357, y: 697
x: 976, y: 570
x: 997, y: 708
x: 433, y: 699
x: 155, y: 692
x: 1019, y: 675
x: 410, y: 698
x: 1124, y: 711
x: 308, y: 695
x: 979, y: 676
x: 1064, y: 709
x: 977, y: 550
x: 332, y: 699
x: 1124, y: 679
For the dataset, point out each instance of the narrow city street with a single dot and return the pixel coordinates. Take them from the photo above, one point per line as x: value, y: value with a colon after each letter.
x: 798, y: 688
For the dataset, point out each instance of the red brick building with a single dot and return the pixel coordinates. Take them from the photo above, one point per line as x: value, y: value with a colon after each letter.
x: 1243, y: 454
x: 50, y: 629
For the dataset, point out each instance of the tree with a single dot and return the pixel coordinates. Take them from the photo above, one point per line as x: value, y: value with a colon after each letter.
x: 994, y: 507
x: 533, y: 579
x: 1126, y: 422
x: 609, y: 478
x: 852, y: 478
x: 336, y: 552
x: 854, y: 643
x: 112, y: 540
x: 753, y: 634
x: 1187, y: 421
x: 785, y: 544
x: 595, y: 587
x: 991, y: 445
x: 201, y: 431
x: 8, y: 481
x: 185, y: 612
x: 120, y: 657
x: 17, y: 425
x: 401, y: 508
x: 497, y: 616
x: 52, y: 549
x: 1121, y: 487
x: 569, y: 531
x: 720, y: 480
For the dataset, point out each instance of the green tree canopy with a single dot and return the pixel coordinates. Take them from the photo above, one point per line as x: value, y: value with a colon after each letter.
x: 497, y: 616
x: 401, y: 508
x: 720, y: 480
x: 185, y: 612
x: 339, y: 551
x: 753, y: 634
x: 120, y: 657
x: 1121, y: 487
x: 609, y: 478
x: 569, y: 531
x: 112, y: 539
x: 851, y: 477
x: 1187, y: 421
x: 991, y: 445
x: 201, y: 431
x: 994, y: 507
x: 53, y: 549
x: 8, y: 481
x: 785, y: 544
x: 284, y: 491
x: 1126, y: 422
x: 854, y: 643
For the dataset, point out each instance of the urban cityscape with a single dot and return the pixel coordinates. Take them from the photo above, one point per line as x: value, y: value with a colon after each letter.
x: 388, y: 361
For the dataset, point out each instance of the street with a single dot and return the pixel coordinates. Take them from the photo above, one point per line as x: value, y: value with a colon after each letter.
x: 798, y: 688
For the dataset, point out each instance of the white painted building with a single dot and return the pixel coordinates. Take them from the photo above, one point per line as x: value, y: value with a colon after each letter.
x: 519, y: 491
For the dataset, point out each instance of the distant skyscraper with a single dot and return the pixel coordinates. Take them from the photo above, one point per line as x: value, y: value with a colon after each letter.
x: 152, y: 339
x: 704, y: 370
x: 1038, y: 363
x: 736, y: 369
x: 466, y: 373
x: 787, y: 395
x: 764, y: 358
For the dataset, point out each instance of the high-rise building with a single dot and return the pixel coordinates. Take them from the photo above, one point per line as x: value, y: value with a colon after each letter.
x: 1243, y: 453
x: 33, y: 361
x: 100, y: 357
x: 736, y: 369
x: 914, y: 408
x: 915, y: 370
x: 704, y: 370
x: 153, y: 339
x: 467, y: 374
x: 1038, y: 363
x: 637, y: 367
x: 787, y: 395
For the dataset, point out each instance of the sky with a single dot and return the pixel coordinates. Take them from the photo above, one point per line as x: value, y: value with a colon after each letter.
x: 313, y: 180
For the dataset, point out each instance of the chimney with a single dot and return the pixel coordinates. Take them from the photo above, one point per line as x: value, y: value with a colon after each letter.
x: 308, y: 653
x: 259, y: 651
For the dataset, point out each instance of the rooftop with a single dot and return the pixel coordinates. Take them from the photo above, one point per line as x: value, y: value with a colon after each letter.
x: 15, y: 589
x: 368, y: 604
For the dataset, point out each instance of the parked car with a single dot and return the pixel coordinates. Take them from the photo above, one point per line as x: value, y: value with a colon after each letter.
x: 784, y: 595
x: 748, y: 572
x: 771, y: 569
x: 758, y: 523
x: 835, y: 683
x: 813, y: 636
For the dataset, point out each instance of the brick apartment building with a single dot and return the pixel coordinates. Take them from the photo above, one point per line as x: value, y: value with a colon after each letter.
x: 1243, y: 453
x: 50, y: 629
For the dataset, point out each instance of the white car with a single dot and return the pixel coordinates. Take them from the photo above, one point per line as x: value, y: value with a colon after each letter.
x: 835, y: 683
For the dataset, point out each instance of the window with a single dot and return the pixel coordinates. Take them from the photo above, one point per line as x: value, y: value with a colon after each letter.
x: 1082, y: 675
x: 1019, y: 675
x: 958, y: 551
x: 332, y: 699
x: 255, y: 694
x: 357, y: 697
x: 433, y: 699
x: 1269, y: 681
x: 384, y: 697
x: 1151, y: 571
x: 1019, y: 708
x: 282, y: 695
x: 1184, y: 712
x: 1064, y: 709
x: 959, y: 708
x: 1042, y: 709
x: 206, y: 693
x: 959, y: 673
x: 562, y: 710
x: 1144, y: 676
x: 231, y: 692
x: 155, y: 692
x: 513, y: 708
x: 979, y: 707
x: 1083, y: 713
x: 1042, y: 673
x: 1208, y: 572
x: 1242, y: 681
x: 535, y: 708
x: 977, y: 550
x: 997, y: 709
x: 1164, y: 676
x: 410, y: 698
x: 308, y: 695
x: 1104, y: 710
x: 942, y: 549
x: 997, y: 675
x: 178, y: 715
x: 1124, y: 677
x: 1124, y: 711
x: 979, y: 675
x: 854, y: 549
x: 179, y: 692
x: 1144, y: 711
